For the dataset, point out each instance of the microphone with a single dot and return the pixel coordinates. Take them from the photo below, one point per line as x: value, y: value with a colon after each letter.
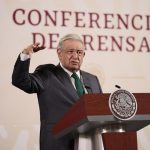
x: 117, y: 86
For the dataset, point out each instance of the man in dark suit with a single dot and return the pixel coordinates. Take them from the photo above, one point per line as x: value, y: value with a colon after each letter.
x: 57, y: 89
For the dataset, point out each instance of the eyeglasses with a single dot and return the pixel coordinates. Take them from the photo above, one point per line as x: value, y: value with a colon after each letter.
x: 72, y: 51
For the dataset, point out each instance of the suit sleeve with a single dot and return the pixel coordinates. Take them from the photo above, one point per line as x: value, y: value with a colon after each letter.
x: 98, y: 83
x: 21, y: 78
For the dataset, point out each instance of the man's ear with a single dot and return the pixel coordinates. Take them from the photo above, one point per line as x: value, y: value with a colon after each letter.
x: 59, y: 52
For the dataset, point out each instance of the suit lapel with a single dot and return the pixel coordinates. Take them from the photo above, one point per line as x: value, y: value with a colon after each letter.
x: 66, y: 82
x: 86, y: 82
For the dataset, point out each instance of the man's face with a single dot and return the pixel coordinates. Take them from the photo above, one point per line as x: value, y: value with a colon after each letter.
x: 71, y: 56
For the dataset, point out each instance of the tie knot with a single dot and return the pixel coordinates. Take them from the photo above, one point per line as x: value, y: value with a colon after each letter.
x: 75, y: 76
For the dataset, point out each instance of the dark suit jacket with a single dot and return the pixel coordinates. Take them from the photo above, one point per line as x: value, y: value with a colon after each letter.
x: 55, y: 95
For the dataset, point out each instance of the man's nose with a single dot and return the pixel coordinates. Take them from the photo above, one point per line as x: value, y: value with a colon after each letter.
x: 75, y: 54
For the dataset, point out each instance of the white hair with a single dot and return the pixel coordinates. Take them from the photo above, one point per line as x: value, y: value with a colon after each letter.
x: 67, y: 37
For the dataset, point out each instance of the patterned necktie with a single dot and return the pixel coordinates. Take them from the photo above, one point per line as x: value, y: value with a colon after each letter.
x: 78, y: 84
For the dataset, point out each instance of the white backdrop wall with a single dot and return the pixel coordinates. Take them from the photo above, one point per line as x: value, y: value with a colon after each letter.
x: 117, y: 39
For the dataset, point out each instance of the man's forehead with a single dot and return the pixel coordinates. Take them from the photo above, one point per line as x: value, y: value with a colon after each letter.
x: 72, y: 43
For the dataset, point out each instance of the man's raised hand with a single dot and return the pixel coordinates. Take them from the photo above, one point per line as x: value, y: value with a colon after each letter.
x: 33, y: 48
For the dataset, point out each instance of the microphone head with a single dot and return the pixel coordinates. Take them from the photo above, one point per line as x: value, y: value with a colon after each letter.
x: 117, y: 86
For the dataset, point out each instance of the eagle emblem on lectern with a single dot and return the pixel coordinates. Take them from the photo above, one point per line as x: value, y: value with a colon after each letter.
x: 123, y: 104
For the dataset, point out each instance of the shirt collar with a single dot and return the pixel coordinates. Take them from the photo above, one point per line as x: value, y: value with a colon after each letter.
x: 69, y: 72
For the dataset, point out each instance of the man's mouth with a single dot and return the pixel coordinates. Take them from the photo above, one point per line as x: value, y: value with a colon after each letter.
x: 74, y: 61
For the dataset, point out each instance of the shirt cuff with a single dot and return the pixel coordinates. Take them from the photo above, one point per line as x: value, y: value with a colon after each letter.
x: 24, y: 57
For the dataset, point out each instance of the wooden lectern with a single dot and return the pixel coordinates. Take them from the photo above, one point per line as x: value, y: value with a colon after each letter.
x: 91, y: 113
